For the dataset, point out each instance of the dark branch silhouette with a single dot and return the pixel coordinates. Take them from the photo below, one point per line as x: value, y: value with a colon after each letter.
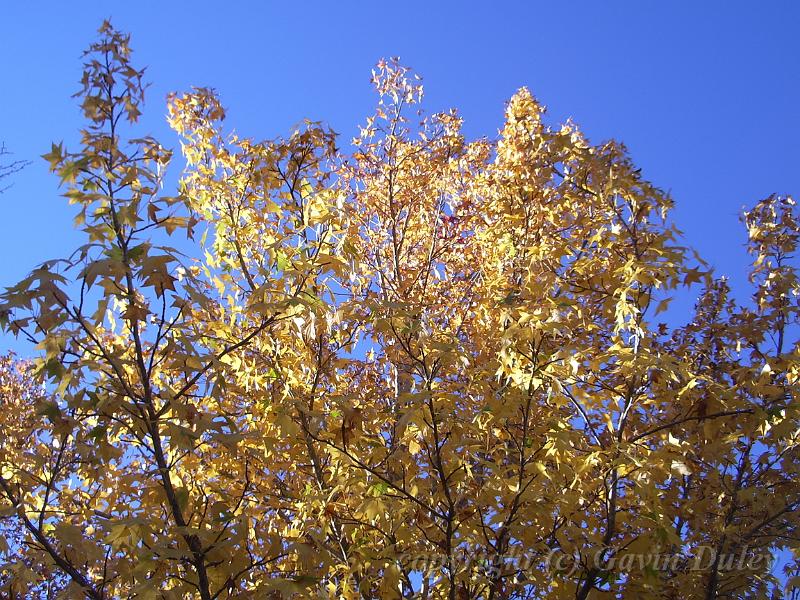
x: 8, y: 168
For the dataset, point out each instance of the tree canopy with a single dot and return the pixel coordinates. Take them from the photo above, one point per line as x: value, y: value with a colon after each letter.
x: 421, y: 366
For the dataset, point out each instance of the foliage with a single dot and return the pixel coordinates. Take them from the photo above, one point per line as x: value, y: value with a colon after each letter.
x: 359, y: 370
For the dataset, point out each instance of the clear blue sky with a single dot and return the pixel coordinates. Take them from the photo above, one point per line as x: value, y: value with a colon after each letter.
x: 704, y: 94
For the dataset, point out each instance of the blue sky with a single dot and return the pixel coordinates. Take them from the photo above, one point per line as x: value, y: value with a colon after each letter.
x: 703, y: 94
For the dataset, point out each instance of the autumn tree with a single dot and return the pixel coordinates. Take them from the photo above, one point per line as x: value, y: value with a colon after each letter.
x: 422, y: 367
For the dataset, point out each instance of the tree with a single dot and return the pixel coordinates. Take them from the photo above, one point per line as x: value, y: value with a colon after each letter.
x: 8, y: 168
x: 428, y: 366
